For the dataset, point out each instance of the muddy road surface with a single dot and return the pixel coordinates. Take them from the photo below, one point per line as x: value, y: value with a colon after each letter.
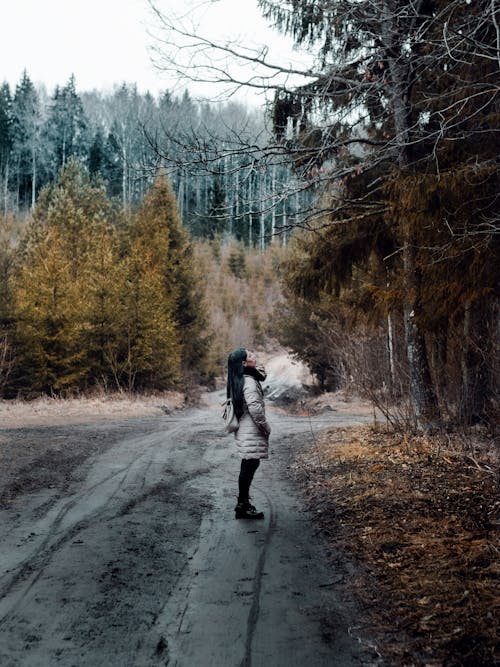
x: 137, y: 560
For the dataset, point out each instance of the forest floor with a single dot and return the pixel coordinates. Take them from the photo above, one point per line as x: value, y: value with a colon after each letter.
x: 419, y: 518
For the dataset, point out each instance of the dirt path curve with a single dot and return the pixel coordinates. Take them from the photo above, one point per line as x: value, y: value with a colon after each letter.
x: 141, y: 563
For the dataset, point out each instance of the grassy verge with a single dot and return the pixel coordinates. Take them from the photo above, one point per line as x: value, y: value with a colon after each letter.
x: 418, y: 516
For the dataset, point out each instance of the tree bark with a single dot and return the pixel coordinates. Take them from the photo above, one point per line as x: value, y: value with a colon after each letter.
x: 250, y: 211
x: 6, y: 188
x: 422, y: 393
x: 476, y: 360
x: 284, y: 223
x: 273, y: 212
x: 124, y: 174
x: 262, y: 217
x: 33, y: 177
x: 180, y: 196
x: 390, y: 350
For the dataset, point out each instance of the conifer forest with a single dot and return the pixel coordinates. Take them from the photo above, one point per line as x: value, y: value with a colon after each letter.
x: 369, y: 192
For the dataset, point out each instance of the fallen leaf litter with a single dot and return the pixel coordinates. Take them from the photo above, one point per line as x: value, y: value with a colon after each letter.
x: 418, y: 515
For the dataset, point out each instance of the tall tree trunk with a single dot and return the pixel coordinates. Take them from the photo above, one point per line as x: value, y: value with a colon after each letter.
x: 206, y: 196
x: 422, y: 394
x: 390, y: 351
x: 476, y: 360
x: 33, y: 177
x: 273, y: 205
x: 197, y: 205
x: 185, y: 206
x: 180, y: 196
x: 6, y: 188
x: 284, y: 224
x: 236, y: 200
x: 64, y: 149
x: 250, y: 211
x: 124, y: 175
x: 262, y: 217
x: 18, y: 184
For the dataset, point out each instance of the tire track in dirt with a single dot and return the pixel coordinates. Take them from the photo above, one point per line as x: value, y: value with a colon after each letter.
x: 253, y: 615
x: 31, y: 569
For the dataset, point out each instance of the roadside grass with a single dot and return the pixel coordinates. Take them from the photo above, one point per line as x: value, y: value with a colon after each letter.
x: 418, y: 516
x: 52, y: 411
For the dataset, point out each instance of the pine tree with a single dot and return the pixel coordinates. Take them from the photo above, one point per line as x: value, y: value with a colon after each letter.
x: 147, y: 353
x: 104, y: 287
x: 26, y: 121
x: 49, y: 321
x: 77, y: 207
x: 5, y: 142
x: 97, y: 155
x: 100, y: 303
x: 66, y: 127
x: 213, y: 223
x: 158, y: 227
x: 57, y: 305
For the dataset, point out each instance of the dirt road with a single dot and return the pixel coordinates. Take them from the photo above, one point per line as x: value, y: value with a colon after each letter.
x: 137, y: 560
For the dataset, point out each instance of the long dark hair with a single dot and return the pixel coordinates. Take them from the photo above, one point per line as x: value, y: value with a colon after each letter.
x: 235, y: 379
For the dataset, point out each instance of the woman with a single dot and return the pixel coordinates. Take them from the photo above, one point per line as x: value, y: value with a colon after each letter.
x: 252, y: 437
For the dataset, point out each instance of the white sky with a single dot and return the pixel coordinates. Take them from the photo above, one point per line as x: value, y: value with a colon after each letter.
x: 105, y: 42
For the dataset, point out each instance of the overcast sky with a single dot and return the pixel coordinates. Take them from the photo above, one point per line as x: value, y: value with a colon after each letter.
x: 105, y: 42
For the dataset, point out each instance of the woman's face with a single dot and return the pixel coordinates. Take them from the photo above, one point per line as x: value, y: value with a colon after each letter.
x: 250, y: 360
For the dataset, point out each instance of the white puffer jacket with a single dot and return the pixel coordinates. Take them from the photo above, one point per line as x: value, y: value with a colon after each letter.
x: 252, y: 436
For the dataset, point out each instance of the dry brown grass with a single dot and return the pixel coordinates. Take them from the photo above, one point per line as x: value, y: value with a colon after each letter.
x: 47, y: 411
x: 419, y: 516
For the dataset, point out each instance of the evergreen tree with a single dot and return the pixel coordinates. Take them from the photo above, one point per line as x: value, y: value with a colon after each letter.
x: 147, y: 355
x: 26, y: 120
x: 5, y: 141
x: 212, y: 223
x: 114, y: 167
x: 6, y: 265
x: 78, y: 208
x: 217, y: 213
x: 57, y: 305
x: 50, y: 321
x: 97, y: 155
x: 104, y: 335
x: 158, y: 227
x: 66, y: 127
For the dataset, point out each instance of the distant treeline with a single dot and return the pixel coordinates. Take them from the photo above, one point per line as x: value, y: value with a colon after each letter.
x: 124, y: 136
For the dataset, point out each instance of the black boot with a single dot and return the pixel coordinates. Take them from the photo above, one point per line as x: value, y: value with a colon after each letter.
x: 244, y: 510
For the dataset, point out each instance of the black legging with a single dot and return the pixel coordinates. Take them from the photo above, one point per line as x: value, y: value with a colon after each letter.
x: 247, y: 471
